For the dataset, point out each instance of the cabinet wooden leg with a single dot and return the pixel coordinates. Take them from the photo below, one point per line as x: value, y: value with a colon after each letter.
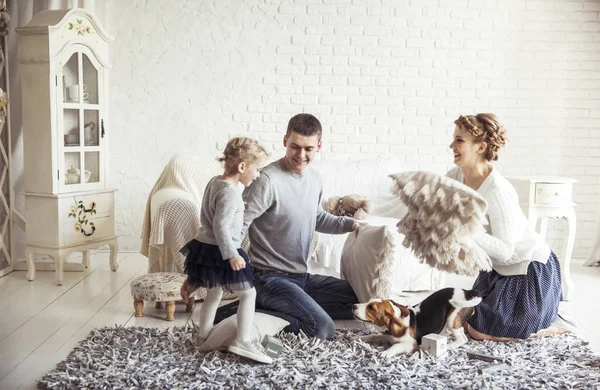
x: 138, y: 305
x: 171, y: 311
x: 29, y: 255
x: 59, y: 261
x: 189, y: 306
x: 86, y: 258
x: 158, y: 305
x: 114, y: 248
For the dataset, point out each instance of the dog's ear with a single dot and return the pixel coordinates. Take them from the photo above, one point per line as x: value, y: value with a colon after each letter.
x: 404, y: 312
x: 394, y: 324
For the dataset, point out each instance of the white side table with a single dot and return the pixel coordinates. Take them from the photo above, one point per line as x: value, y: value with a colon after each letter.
x: 543, y: 197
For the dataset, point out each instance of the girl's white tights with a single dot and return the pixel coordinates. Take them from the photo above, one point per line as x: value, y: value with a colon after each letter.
x: 245, y: 312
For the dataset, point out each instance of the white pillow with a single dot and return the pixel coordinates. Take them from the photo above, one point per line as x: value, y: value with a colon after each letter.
x: 443, y: 214
x: 368, y: 262
x: 410, y: 273
x: 225, y: 332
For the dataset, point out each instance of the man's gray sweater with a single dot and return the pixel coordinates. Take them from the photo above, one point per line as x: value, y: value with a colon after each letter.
x: 283, y: 209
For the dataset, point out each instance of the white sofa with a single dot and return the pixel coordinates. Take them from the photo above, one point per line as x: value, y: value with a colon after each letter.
x: 174, y: 203
x: 370, y: 178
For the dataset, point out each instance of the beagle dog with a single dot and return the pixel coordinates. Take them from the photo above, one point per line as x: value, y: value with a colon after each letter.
x: 405, y: 326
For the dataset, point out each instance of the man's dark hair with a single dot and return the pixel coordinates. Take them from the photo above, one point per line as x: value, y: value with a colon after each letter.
x: 304, y: 124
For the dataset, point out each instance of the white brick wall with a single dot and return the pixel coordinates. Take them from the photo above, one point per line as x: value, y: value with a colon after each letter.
x: 386, y: 78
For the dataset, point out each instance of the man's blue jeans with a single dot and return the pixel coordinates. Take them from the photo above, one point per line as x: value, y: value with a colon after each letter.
x: 309, y: 302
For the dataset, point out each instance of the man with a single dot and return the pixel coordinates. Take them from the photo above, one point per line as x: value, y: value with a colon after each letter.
x: 283, y: 209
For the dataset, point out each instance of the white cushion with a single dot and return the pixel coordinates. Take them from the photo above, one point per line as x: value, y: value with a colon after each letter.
x: 368, y: 262
x: 443, y: 214
x: 225, y: 332
x: 409, y: 274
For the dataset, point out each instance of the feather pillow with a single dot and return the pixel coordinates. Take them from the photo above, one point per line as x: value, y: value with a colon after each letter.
x: 443, y: 214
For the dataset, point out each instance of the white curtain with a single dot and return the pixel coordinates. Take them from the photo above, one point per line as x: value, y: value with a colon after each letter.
x: 21, y: 12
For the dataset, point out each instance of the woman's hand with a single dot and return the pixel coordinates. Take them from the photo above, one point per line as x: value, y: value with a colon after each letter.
x: 237, y: 263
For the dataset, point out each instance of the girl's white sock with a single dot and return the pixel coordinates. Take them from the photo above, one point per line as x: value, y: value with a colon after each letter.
x: 208, y: 310
x: 245, y: 314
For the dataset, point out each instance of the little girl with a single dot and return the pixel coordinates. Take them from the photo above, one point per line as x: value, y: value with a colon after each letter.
x: 214, y: 259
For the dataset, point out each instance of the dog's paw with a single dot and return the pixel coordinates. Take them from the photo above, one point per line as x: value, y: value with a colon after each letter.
x: 387, y: 354
x: 369, y: 338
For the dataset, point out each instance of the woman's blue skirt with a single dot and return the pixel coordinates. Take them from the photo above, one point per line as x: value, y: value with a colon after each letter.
x: 519, y: 305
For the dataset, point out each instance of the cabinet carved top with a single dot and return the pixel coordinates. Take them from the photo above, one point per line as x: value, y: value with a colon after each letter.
x: 79, y: 26
x: 78, y: 21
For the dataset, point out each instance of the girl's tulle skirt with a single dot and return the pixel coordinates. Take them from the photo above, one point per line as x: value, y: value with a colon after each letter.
x: 205, y: 267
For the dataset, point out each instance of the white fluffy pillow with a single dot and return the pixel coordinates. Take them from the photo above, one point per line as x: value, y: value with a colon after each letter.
x: 368, y: 262
x: 410, y: 274
x: 225, y: 332
x: 443, y: 214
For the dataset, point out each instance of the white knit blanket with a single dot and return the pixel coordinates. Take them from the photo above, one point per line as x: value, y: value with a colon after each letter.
x: 176, y: 222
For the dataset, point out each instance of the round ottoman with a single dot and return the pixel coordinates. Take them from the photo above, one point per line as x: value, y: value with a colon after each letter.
x: 159, y: 287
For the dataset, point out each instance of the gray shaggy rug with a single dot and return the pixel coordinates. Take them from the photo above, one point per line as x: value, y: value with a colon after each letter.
x: 164, y: 358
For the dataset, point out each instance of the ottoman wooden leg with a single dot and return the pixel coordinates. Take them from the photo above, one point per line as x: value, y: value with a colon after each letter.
x: 138, y: 305
x: 158, y: 305
x: 189, y: 305
x: 171, y: 311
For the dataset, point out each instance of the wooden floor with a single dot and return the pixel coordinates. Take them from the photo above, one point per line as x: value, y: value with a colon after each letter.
x: 40, y: 322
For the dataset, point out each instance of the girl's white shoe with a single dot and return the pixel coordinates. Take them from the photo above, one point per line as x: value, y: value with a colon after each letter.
x: 250, y: 350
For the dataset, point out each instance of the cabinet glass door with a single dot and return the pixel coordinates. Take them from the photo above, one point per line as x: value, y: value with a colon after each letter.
x: 79, y: 88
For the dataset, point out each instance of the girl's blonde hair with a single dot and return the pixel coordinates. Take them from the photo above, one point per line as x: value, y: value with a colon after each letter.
x: 485, y: 128
x: 239, y: 150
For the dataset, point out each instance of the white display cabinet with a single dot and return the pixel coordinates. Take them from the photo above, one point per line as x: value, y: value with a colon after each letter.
x: 64, y: 81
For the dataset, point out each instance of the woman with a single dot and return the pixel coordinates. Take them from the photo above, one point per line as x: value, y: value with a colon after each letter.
x: 523, y: 291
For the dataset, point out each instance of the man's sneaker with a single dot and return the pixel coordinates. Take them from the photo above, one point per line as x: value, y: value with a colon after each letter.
x: 250, y: 350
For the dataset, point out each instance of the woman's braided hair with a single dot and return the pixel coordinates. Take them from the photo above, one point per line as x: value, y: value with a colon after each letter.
x: 239, y: 150
x: 485, y: 128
